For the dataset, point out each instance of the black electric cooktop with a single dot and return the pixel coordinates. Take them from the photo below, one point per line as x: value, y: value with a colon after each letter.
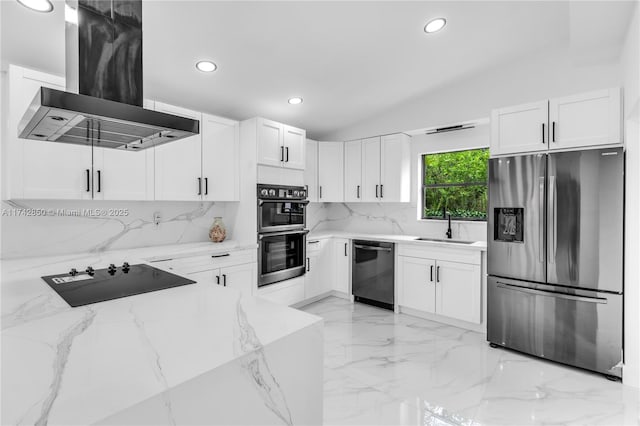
x: 93, y: 286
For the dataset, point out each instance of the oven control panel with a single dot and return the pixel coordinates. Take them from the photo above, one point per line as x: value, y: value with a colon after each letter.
x: 282, y: 192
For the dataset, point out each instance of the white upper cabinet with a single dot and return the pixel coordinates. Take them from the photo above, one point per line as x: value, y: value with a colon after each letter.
x: 521, y: 128
x: 270, y: 143
x: 352, y: 171
x: 280, y: 145
x: 371, y: 169
x: 123, y: 175
x: 295, y: 141
x: 311, y: 170
x: 571, y: 122
x: 38, y: 169
x: 395, y: 184
x: 178, y: 164
x: 587, y: 119
x: 330, y: 171
x: 220, y: 158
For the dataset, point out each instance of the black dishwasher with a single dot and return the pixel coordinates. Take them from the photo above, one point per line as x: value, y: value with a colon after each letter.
x: 373, y: 273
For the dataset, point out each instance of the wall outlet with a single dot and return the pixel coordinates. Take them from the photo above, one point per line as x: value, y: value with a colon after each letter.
x: 157, y: 218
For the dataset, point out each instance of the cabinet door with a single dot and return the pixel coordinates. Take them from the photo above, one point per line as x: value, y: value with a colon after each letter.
x: 241, y: 277
x: 294, y: 147
x: 220, y: 159
x: 311, y: 170
x: 312, y: 279
x: 330, y: 171
x: 458, y: 293
x: 371, y: 169
x: 395, y: 186
x: 205, y: 277
x: 521, y: 128
x: 270, y: 143
x: 341, y: 264
x: 178, y: 174
x: 123, y: 175
x: 353, y: 171
x: 39, y: 169
x: 587, y: 119
x: 416, y: 283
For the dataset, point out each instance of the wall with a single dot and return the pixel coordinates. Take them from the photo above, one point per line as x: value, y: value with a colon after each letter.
x: 58, y: 233
x: 631, y: 76
x: 402, y: 218
x: 537, y: 76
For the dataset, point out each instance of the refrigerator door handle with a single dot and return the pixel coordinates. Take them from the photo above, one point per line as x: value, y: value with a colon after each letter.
x: 554, y: 219
x: 551, y: 293
x: 541, y: 219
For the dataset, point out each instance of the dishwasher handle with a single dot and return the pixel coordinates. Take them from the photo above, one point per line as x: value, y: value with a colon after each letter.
x: 372, y: 248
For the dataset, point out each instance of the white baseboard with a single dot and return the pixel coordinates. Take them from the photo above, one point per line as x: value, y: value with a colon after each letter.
x: 480, y: 328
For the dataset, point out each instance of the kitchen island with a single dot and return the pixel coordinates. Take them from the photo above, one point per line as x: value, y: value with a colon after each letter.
x: 195, y: 354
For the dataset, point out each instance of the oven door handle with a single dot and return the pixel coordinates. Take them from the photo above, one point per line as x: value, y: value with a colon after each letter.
x: 283, y: 200
x: 277, y: 234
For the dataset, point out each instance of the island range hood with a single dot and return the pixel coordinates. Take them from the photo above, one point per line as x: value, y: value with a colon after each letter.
x: 102, y: 106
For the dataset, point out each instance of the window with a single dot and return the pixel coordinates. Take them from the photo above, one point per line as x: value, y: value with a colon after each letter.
x: 455, y: 183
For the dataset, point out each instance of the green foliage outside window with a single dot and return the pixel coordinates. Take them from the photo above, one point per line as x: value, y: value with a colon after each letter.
x: 455, y: 183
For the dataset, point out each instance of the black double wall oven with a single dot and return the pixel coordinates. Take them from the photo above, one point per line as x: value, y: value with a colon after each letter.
x: 282, y: 237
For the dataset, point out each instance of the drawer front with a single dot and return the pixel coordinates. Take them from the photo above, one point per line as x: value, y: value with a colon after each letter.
x: 286, y: 293
x: 315, y: 244
x: 199, y: 263
x: 449, y: 254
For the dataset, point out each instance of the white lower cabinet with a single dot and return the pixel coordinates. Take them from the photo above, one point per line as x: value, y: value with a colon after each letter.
x: 240, y: 277
x: 342, y: 265
x: 418, y: 288
x: 440, y: 281
x: 317, y: 278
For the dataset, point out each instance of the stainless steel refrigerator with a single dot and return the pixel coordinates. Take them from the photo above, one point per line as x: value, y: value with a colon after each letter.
x: 555, y: 257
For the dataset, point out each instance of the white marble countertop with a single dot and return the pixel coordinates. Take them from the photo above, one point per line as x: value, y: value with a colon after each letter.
x: 395, y: 238
x: 63, y: 365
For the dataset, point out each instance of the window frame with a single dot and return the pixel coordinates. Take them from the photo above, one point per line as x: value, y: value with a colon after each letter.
x: 424, y: 186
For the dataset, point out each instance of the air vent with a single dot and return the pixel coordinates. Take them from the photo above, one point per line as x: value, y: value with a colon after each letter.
x: 450, y: 129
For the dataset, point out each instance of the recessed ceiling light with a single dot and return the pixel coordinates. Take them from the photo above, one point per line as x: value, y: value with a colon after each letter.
x: 295, y: 101
x: 37, y: 5
x: 206, y: 66
x: 435, y: 25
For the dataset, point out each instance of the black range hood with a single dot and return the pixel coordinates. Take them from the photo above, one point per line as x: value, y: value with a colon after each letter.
x: 103, y: 104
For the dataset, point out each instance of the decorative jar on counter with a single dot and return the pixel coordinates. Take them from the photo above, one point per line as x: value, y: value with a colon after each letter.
x: 217, y: 232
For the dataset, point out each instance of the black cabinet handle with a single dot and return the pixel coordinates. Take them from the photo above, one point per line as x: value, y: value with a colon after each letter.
x: 287, y: 150
x: 88, y: 180
x: 358, y: 192
x: 99, y: 181
x: 553, y: 131
x: 224, y: 280
x: 377, y: 191
x: 345, y: 249
x: 199, y: 186
x: 282, y: 153
x: 437, y: 274
x: 321, y: 191
x: 381, y: 193
x: 218, y: 279
x: 206, y: 186
x: 308, y: 264
x: 542, y: 132
x: 221, y: 255
x: 431, y: 274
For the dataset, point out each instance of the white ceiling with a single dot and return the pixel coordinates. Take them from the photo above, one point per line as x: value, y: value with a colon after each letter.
x: 348, y: 60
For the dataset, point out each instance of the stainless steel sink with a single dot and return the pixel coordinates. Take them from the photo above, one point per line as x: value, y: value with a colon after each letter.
x: 444, y: 240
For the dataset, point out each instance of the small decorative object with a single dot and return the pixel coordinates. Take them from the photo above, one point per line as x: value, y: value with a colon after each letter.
x: 217, y: 232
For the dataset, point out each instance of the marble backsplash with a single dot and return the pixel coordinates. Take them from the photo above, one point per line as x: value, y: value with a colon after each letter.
x: 387, y: 218
x: 62, y: 227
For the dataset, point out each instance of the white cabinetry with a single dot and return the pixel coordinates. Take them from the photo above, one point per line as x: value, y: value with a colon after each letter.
x: 200, y: 167
x: 578, y: 121
x: 371, y: 169
x: 280, y: 145
x: 440, y: 280
x: 330, y: 171
x: 341, y: 267
x: 395, y: 184
x: 317, y: 278
x: 352, y: 171
x: 311, y: 170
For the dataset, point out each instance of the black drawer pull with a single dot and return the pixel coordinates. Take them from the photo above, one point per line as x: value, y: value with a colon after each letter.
x: 220, y: 255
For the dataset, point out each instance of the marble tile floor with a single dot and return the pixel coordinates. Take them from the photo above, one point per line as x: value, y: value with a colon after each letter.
x: 388, y: 369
